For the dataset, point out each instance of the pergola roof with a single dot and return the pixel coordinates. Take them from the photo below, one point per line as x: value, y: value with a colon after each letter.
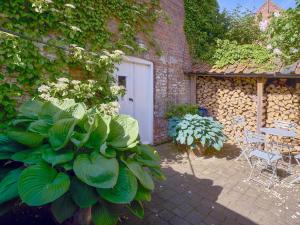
x: 244, y: 70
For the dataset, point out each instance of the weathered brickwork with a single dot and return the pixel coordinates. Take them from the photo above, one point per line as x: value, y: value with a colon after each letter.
x: 170, y: 83
x: 267, y: 10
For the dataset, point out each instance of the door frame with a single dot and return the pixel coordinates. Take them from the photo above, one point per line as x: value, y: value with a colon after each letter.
x: 135, y: 60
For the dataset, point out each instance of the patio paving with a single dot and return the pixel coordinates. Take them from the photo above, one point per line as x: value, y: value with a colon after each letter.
x: 214, y: 190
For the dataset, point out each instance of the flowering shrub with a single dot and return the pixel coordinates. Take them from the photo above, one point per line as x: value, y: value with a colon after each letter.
x: 194, y: 129
x: 89, y: 92
x: 283, y: 35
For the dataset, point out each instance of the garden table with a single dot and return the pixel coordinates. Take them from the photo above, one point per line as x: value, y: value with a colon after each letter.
x: 279, y: 132
x: 284, y: 133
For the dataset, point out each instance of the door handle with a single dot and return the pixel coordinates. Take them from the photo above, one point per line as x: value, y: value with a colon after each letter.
x: 131, y: 99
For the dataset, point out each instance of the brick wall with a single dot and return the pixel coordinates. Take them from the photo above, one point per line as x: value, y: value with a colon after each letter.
x: 267, y: 10
x: 170, y: 83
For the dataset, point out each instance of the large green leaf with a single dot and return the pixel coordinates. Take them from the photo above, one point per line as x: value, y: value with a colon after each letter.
x: 9, y: 186
x: 57, y: 157
x: 84, y: 195
x: 48, y: 111
x: 103, y: 215
x: 136, y: 207
x: 147, y: 156
x: 124, y: 131
x: 96, y: 170
x: 8, y: 145
x: 125, y: 189
x: 142, y: 175
x: 40, y: 127
x: 26, y: 138
x: 157, y: 173
x: 3, y: 172
x: 63, y: 208
x: 30, y: 157
x: 88, y: 125
x: 30, y: 109
x: 41, y: 184
x: 5, y: 155
x: 99, y: 135
x: 142, y: 194
x: 60, y: 133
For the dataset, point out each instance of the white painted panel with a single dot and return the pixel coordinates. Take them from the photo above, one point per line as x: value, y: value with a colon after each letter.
x: 142, y: 100
x: 138, y: 101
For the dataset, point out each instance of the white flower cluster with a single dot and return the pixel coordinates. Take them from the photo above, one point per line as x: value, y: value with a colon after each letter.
x: 89, y: 92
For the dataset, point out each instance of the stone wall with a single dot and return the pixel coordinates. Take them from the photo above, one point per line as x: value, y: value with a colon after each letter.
x: 171, y: 85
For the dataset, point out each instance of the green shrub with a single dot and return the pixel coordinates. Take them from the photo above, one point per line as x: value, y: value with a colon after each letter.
x: 194, y: 129
x: 71, y: 157
x: 179, y: 111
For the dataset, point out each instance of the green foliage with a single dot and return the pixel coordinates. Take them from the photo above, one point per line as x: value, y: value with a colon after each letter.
x: 91, y: 92
x: 283, y: 35
x: 85, y: 159
x: 181, y: 110
x: 230, y: 53
x: 54, y: 38
x: 194, y: 129
x: 203, y: 26
x: 242, y: 27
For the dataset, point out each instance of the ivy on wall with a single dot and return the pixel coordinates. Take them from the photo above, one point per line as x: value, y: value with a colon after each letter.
x: 52, y: 37
x: 203, y: 26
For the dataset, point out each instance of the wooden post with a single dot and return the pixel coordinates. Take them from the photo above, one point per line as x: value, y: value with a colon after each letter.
x: 193, y: 89
x: 260, y: 103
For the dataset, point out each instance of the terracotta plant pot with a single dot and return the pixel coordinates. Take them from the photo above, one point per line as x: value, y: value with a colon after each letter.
x: 196, y: 153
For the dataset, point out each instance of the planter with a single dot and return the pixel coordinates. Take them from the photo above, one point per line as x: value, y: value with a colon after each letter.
x: 196, y: 153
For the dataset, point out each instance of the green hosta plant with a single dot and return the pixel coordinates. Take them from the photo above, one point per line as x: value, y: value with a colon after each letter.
x: 73, y: 158
x: 194, y: 129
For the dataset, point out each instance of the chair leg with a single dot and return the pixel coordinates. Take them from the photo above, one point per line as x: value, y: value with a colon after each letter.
x: 253, y: 165
x: 295, y: 180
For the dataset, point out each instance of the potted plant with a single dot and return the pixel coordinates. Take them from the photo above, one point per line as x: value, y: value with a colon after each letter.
x: 199, y: 133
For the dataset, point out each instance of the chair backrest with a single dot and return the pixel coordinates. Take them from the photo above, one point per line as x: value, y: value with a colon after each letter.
x: 238, y: 124
x: 253, y: 137
x: 285, y: 125
x: 239, y: 121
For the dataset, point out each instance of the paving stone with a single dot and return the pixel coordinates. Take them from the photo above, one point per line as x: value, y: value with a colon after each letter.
x: 194, y: 217
x: 217, y: 194
x: 166, y: 215
x: 178, y: 221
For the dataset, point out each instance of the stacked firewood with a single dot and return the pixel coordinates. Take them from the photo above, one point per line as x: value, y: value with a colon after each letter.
x: 283, y: 103
x: 228, y: 97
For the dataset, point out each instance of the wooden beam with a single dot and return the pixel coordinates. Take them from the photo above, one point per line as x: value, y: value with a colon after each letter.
x: 193, y: 89
x: 260, y: 104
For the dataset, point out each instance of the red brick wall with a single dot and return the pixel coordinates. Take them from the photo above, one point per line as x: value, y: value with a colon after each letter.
x: 170, y: 83
x: 267, y: 11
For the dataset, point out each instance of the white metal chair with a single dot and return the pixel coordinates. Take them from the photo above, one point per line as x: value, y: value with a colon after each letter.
x: 238, y: 123
x: 264, y: 160
x: 251, y: 141
x: 297, y: 158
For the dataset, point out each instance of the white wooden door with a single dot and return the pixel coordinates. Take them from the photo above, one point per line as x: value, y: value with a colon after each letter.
x: 137, y: 76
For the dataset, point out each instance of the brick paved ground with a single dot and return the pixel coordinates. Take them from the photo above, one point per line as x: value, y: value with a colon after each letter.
x: 217, y: 193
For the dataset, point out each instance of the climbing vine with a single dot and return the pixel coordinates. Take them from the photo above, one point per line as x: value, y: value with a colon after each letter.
x: 231, y: 52
x: 46, y: 39
x: 203, y: 25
